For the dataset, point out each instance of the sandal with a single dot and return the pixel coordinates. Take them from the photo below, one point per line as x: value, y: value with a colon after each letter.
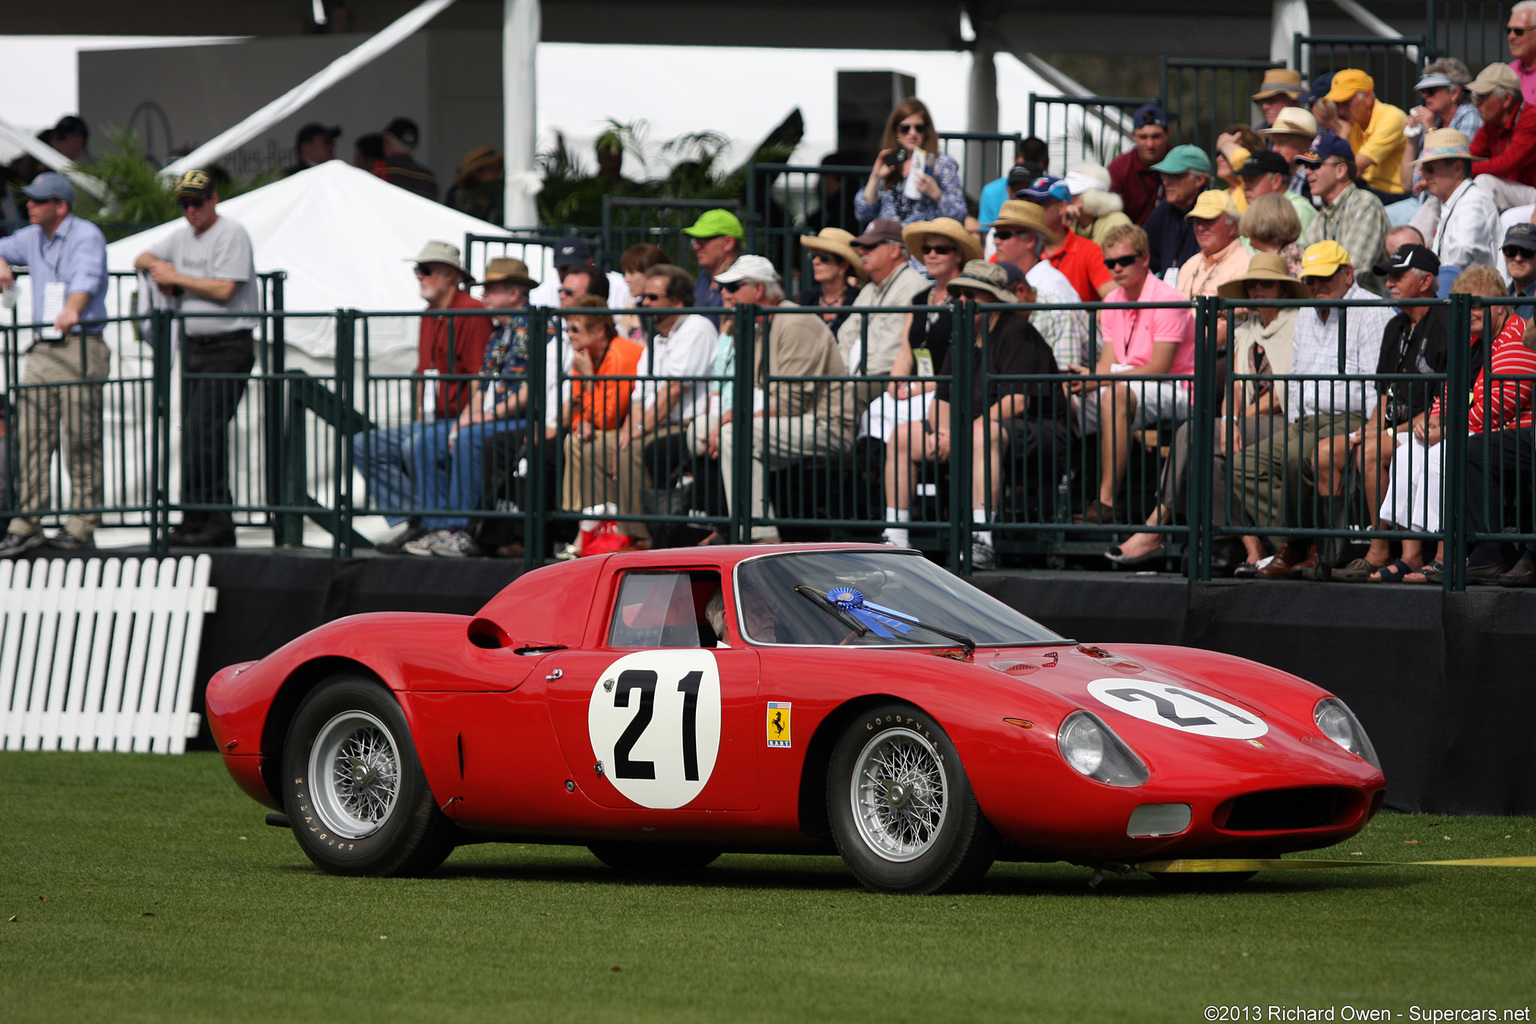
x: 1357, y: 571
x: 1396, y: 572
x: 1431, y: 573
x: 1246, y: 571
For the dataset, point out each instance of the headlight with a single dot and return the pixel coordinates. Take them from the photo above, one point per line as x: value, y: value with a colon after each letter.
x: 1093, y: 749
x: 1338, y: 723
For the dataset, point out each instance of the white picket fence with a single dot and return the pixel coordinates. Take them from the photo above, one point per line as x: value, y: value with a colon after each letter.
x: 100, y: 654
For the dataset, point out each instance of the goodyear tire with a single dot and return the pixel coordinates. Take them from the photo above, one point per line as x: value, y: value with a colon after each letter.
x: 353, y: 787
x: 901, y: 809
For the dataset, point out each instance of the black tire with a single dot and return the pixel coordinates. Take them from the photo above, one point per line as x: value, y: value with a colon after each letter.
x: 919, y: 832
x: 382, y: 822
x: 654, y: 860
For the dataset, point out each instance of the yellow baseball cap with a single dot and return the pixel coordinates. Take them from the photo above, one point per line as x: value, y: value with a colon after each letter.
x: 1211, y: 204
x: 1348, y: 82
x: 1323, y: 259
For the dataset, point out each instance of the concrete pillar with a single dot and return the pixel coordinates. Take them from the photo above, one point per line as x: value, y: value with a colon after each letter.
x: 1289, y: 18
x: 981, y: 111
x: 521, y: 27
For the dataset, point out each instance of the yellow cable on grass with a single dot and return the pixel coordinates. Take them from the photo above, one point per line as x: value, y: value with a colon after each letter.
x: 1206, y: 866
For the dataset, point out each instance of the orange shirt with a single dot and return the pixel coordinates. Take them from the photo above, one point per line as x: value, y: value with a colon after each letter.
x: 1081, y: 261
x: 606, y: 402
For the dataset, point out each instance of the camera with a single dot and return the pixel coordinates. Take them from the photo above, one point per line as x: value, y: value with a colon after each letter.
x: 896, y: 157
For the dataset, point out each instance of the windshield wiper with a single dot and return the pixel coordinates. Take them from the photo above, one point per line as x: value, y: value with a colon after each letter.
x: 847, y: 616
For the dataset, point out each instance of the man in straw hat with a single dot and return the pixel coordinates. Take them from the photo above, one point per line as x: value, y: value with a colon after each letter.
x: 1280, y: 89
x: 1252, y: 410
x: 1504, y: 148
x: 450, y: 470
x: 208, y: 264
x: 1291, y: 135
x: 1020, y: 237
x: 1015, y: 418
x: 445, y: 345
x: 1459, y: 220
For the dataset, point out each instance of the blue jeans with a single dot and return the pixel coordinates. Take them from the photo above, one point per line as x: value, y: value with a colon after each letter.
x: 386, y: 458
x: 450, y: 478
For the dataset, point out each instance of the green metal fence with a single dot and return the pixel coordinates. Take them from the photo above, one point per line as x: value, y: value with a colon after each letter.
x: 1204, y: 98
x: 310, y: 437
x: 1078, y: 129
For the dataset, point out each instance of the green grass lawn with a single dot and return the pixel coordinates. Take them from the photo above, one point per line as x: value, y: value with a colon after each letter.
x: 147, y: 888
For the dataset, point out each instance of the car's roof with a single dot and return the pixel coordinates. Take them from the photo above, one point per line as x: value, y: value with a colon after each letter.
x: 724, y: 555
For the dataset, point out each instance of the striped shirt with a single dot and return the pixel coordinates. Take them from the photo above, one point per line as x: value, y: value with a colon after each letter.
x: 1510, y: 402
x: 1316, y: 354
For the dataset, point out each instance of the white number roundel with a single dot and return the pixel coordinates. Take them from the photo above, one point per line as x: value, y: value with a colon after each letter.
x: 654, y: 722
x: 1178, y: 708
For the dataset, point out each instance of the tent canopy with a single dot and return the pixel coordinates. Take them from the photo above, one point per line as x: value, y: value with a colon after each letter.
x: 346, y: 239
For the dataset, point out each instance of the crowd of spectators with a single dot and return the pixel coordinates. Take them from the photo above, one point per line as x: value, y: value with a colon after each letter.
x: 1337, y: 194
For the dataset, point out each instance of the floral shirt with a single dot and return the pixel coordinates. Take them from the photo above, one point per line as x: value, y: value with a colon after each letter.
x: 506, y: 359
x: 892, y: 202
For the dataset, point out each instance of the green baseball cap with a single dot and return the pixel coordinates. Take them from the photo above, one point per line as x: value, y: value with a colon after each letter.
x: 715, y: 223
x: 1185, y: 158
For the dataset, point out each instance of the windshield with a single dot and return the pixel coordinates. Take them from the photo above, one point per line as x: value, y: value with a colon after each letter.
x: 871, y: 598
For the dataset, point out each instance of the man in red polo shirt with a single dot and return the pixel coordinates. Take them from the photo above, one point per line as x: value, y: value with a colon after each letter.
x: 1079, y: 259
x: 1131, y: 174
x: 1504, y: 149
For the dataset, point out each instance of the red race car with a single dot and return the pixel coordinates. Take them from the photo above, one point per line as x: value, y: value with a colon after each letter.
x: 661, y: 707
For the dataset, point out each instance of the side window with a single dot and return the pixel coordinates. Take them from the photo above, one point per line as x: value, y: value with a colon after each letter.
x: 664, y: 609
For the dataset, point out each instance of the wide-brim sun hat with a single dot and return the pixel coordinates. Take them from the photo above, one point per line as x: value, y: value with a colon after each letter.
x: 839, y: 243
x: 1265, y: 266
x: 913, y: 234
x: 445, y: 253
x: 979, y: 275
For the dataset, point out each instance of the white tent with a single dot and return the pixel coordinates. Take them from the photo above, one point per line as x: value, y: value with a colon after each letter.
x: 346, y: 240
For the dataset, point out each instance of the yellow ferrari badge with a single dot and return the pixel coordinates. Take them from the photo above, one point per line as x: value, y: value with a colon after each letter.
x: 778, y: 723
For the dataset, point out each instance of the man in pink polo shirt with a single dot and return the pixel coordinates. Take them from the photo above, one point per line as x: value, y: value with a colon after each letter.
x: 1520, y: 32
x: 1136, y: 342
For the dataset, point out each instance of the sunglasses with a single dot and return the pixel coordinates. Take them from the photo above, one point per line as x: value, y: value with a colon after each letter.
x: 942, y: 250
x: 1003, y: 234
x: 824, y: 257
x: 920, y: 127
x: 1514, y: 252
x: 569, y: 293
x: 697, y: 242
x: 423, y: 269
x: 190, y: 204
x: 1121, y: 261
x: 733, y: 286
x: 645, y: 297
x: 1516, y: 31
x: 865, y: 248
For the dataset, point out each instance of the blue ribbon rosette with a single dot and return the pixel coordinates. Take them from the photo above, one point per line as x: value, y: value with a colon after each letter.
x: 878, y: 619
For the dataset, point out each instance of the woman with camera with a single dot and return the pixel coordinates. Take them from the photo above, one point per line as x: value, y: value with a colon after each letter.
x: 911, y: 180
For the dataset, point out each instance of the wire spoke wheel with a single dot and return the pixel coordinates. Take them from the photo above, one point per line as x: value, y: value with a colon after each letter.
x: 355, y: 766
x: 899, y: 795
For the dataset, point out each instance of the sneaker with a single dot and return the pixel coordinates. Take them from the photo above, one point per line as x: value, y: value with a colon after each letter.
x: 456, y: 544
x: 568, y: 552
x: 397, y: 543
x: 983, y: 556
x: 66, y: 541
x: 20, y: 543
x: 422, y: 545
x: 896, y: 538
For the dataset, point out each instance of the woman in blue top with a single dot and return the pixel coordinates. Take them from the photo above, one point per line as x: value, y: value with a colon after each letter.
x: 923, y: 184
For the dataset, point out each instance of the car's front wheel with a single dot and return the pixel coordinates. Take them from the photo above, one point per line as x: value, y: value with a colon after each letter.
x: 901, y: 809
x: 353, y: 788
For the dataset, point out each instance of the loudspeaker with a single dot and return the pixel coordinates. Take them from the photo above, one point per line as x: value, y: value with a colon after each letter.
x: 864, y: 101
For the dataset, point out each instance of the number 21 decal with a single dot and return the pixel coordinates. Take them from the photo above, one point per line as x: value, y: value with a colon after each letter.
x: 1179, y: 708
x: 654, y: 718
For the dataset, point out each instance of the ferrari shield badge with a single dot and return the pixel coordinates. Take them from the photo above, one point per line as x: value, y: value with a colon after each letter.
x: 778, y: 723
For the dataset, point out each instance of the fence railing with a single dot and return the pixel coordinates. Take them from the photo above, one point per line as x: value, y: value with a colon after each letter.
x: 998, y: 446
x: 1204, y: 97
x: 1076, y: 129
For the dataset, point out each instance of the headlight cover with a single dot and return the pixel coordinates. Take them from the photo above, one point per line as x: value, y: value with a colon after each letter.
x: 1093, y: 749
x: 1338, y: 723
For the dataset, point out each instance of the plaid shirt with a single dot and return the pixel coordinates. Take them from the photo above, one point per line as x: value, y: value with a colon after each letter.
x: 1065, y: 330
x: 1358, y: 222
x: 1316, y: 353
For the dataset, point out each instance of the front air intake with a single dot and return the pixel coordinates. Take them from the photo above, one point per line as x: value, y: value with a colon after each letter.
x: 1286, y: 810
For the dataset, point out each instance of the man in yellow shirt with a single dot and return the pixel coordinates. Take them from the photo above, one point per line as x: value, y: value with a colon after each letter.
x: 1375, y: 133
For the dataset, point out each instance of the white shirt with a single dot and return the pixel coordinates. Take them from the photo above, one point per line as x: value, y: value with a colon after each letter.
x: 1467, y: 231
x: 1047, y: 280
x: 548, y: 292
x: 1315, y: 351
x: 689, y: 351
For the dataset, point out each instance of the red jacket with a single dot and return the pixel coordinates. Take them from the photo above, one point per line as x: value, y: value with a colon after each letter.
x: 1508, y: 151
x: 470, y: 335
x: 1137, y: 184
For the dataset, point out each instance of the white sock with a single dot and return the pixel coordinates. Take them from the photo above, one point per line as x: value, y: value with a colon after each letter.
x: 979, y: 515
x: 898, y: 535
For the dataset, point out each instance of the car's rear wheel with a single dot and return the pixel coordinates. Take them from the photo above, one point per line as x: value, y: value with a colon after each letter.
x: 901, y: 809
x: 353, y: 787
x: 655, y: 860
